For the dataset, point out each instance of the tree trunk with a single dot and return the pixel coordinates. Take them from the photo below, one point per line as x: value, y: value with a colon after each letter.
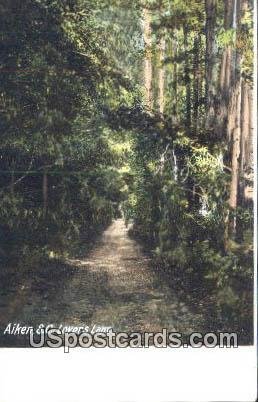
x: 174, y: 85
x: 147, y: 59
x: 226, y: 67
x: 245, y: 142
x: 235, y: 134
x: 226, y: 73
x: 235, y: 123
x: 249, y: 152
x: 246, y: 152
x: 228, y: 119
x: 161, y: 75
x: 210, y: 67
x: 187, y: 80
x: 196, y: 83
x: 245, y: 158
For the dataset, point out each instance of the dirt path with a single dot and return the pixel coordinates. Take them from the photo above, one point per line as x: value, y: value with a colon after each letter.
x: 113, y: 286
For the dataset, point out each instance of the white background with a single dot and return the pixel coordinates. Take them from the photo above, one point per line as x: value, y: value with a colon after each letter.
x: 116, y: 375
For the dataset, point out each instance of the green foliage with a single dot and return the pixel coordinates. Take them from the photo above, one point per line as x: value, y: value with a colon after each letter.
x: 226, y: 37
x: 53, y: 65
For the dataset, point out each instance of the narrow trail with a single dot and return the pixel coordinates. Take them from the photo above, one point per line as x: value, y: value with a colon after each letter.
x: 114, y: 286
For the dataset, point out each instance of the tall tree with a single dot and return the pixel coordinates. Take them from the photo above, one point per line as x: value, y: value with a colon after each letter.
x: 174, y: 80
x: 210, y: 64
x: 238, y: 128
x: 161, y: 75
x: 187, y: 78
x: 148, y: 57
x: 197, y: 84
x: 226, y: 69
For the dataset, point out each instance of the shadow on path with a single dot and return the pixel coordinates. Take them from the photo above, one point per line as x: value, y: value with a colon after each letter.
x: 112, y: 286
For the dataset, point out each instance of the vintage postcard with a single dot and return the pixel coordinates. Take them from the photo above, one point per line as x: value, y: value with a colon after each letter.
x: 127, y: 174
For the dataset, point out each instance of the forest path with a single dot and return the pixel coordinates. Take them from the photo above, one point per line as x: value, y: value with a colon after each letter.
x: 114, y: 286
x: 128, y: 294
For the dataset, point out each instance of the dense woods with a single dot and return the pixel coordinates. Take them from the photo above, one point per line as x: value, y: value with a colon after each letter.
x: 134, y: 108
